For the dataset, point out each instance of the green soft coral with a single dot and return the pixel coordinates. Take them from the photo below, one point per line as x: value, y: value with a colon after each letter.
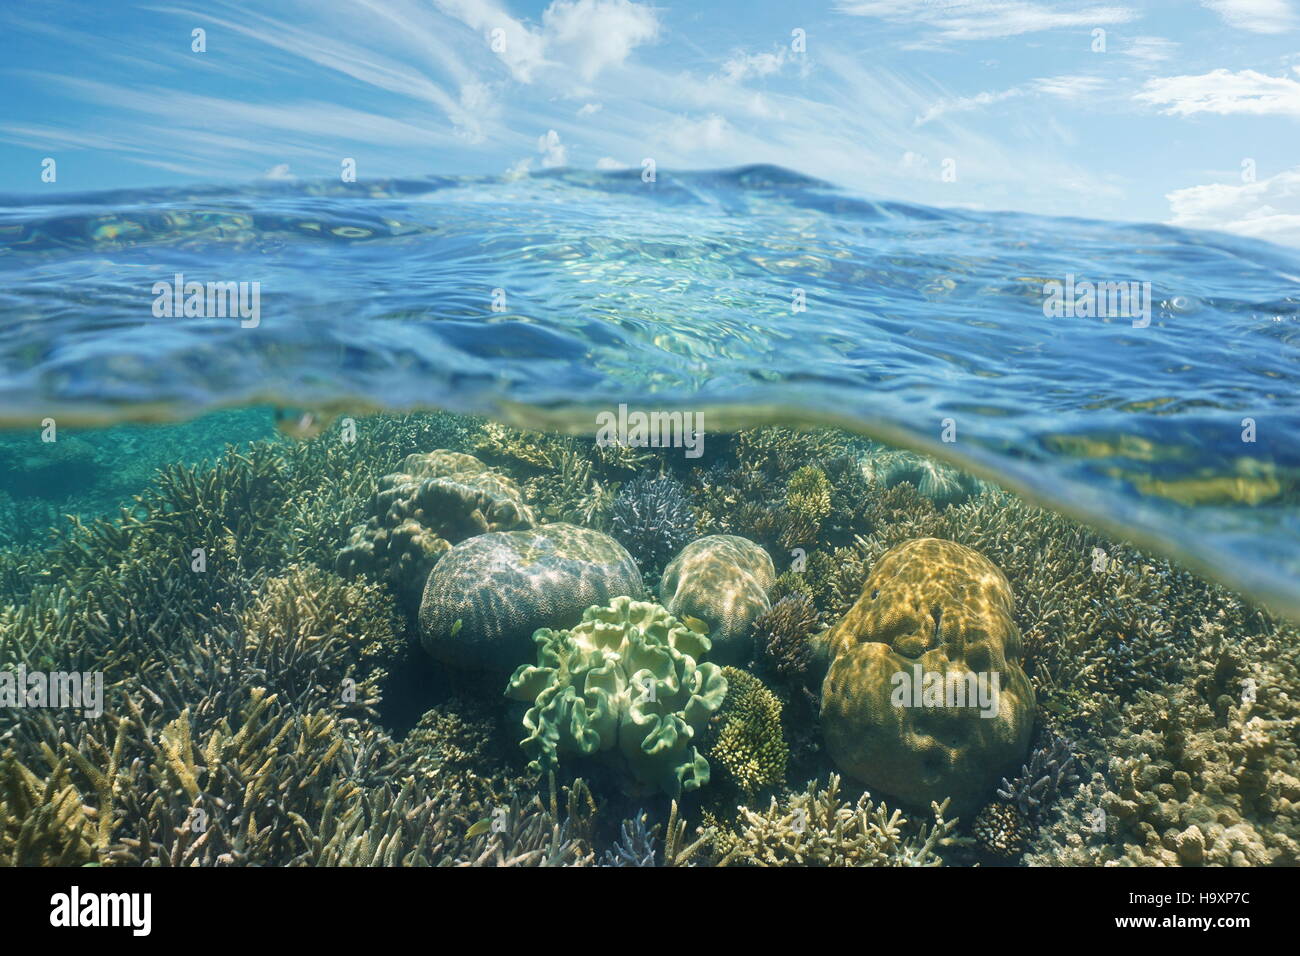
x: 628, y: 677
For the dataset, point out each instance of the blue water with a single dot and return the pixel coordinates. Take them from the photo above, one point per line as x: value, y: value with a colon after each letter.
x: 679, y: 293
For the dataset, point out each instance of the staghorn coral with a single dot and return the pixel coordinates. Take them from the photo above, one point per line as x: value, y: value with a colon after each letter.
x: 533, y: 831
x: 486, y: 596
x: 635, y: 845
x: 1050, y: 772
x: 778, y: 450
x: 782, y: 641
x: 744, y: 740
x: 722, y: 580
x: 652, y: 518
x: 437, y: 500
x: 934, y: 616
x: 571, y: 492
x: 808, y: 497
x: 818, y: 828
x: 627, y: 679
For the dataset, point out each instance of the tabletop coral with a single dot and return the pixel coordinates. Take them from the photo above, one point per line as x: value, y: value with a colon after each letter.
x: 627, y: 679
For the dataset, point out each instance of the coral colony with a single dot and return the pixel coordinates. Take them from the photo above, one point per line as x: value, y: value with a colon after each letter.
x: 438, y: 640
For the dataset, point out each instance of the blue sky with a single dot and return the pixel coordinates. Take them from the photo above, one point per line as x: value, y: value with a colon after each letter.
x: 1182, y: 111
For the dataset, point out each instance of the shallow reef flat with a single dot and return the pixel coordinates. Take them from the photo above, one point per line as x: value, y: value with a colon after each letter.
x: 437, y: 640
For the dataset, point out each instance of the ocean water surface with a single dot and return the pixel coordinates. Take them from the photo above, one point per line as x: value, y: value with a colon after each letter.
x: 752, y: 295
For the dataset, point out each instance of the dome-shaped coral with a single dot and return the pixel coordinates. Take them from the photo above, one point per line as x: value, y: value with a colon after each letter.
x: 626, y: 678
x: 417, y: 514
x: 925, y: 697
x: 723, y: 580
x: 487, y: 595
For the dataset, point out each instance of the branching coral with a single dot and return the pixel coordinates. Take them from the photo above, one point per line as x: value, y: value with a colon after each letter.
x: 818, y: 828
x: 808, y: 497
x: 745, y: 741
x: 1200, y: 773
x: 652, y: 518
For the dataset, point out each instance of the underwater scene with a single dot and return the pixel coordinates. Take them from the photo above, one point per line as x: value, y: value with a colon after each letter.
x: 267, y: 638
x: 639, y: 533
x: 641, y: 518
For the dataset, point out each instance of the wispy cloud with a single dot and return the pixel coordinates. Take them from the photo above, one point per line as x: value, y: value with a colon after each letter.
x: 1256, y: 16
x: 983, y: 20
x: 1062, y: 87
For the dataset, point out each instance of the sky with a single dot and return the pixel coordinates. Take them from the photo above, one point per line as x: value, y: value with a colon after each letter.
x: 1177, y: 111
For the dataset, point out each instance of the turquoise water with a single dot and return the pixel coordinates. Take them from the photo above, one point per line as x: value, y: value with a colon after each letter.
x: 681, y: 293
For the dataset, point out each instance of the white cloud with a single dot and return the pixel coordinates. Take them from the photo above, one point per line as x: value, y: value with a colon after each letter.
x: 595, y: 34
x: 554, y: 153
x: 986, y: 19
x: 607, y: 162
x: 279, y: 172
x: 590, y: 109
x: 687, y: 136
x: 521, y: 49
x: 1267, y: 209
x: 1149, y: 49
x: 1257, y: 16
x: 1223, y: 92
x: 1062, y: 87
x: 586, y: 36
x: 741, y: 66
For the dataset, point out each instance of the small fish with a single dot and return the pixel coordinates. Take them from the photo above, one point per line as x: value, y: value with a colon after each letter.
x: 455, y: 628
x: 479, y: 828
x: 695, y: 624
x: 301, y: 424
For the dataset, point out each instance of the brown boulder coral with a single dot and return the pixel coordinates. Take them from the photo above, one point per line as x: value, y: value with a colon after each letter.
x: 925, y: 697
x: 723, y: 580
x: 437, y: 500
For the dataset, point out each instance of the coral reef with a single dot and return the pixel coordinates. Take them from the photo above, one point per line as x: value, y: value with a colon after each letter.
x: 437, y: 500
x: 818, y: 828
x: 1001, y: 830
x: 1199, y: 773
x: 262, y: 708
x: 722, y: 580
x: 486, y: 596
x: 628, y: 679
x: 808, y: 498
x: 934, y: 620
x: 744, y: 741
x: 941, y: 483
x: 652, y: 518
